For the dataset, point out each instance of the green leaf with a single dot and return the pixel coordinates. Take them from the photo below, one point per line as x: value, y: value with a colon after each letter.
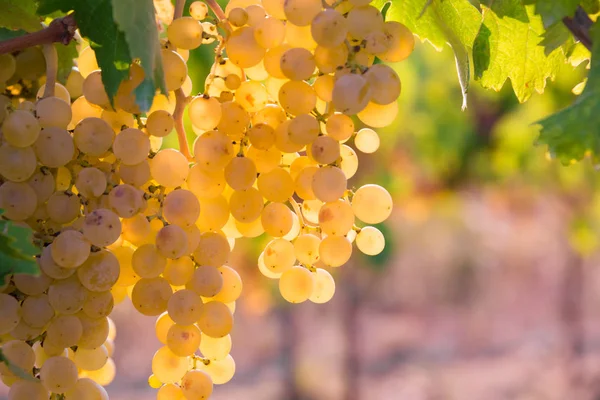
x: 137, y: 20
x: 591, y: 6
x: 554, y: 11
x: 66, y: 54
x: 16, y: 250
x: 554, y: 37
x: 19, y: 14
x: 95, y: 22
x: 573, y: 132
x: 508, y: 45
x: 455, y: 22
x: 459, y: 16
x: 6, y: 34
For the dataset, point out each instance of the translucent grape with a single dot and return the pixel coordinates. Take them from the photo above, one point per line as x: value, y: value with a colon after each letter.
x: 58, y: 374
x: 240, y: 172
x: 98, y: 304
x: 95, y: 331
x: 297, y: 97
x: 101, y: 227
x: 213, y: 150
x: 100, y: 272
x: 370, y: 241
x: 378, y: 116
x: 17, y: 164
x: 52, y: 111
x: 246, y: 205
x: 325, y: 150
x: 183, y: 340
x: 279, y: 256
x: 21, y: 128
x: 401, y: 42
x: 366, y: 140
x: 64, y: 331
x: 185, y: 307
x: 213, y: 249
x: 17, y: 200
x: 169, y: 168
x: 384, y: 83
x: 54, y: 147
x: 351, y: 94
x: 93, y: 136
x: 206, y: 281
x: 198, y: 10
x: 220, y: 371
x: 179, y: 271
x: 329, y: 183
x: 296, y: 284
x: 185, y: 33
x: 27, y: 390
x: 175, y: 69
x: 301, y: 13
x: 335, y: 251
x: 297, y: 64
x: 171, y: 241
x: 70, y: 249
x: 196, y: 384
x: 340, y: 127
x: 276, y: 219
x: 364, y: 20
x: 232, y: 285
x: 63, y: 207
x: 131, y: 146
x: 150, y: 296
x: 216, y: 320
x: 336, y: 218
x: 168, y: 367
x: 269, y: 32
x: 160, y: 123
x: 276, y: 185
x: 324, y: 287
x: 243, y: 49
x: 372, y: 204
x: 87, y: 389
x: 205, y: 112
x: 91, y: 182
x: 329, y: 28
x: 31, y: 284
x: 181, y: 207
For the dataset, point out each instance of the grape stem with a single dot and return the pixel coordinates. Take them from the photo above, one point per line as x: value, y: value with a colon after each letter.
x: 181, y: 99
x: 60, y: 30
x: 298, y: 212
x: 220, y: 14
x: 51, y: 57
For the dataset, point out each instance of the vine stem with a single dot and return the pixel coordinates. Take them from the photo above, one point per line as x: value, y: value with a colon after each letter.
x: 181, y: 100
x: 298, y: 211
x: 51, y: 57
x: 580, y: 25
x: 220, y: 14
x: 60, y: 30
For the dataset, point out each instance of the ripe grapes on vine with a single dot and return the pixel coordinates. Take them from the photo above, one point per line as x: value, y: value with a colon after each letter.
x: 295, y: 89
x: 115, y: 215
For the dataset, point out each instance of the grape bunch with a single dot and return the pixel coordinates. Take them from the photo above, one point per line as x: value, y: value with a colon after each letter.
x: 294, y: 83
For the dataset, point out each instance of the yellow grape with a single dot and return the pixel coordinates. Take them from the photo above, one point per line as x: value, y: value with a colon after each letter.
x: 276, y: 219
x: 185, y: 307
x: 364, y: 20
x: 297, y: 97
x: 232, y: 285
x: 185, y: 33
x: 216, y: 320
x: 243, y: 49
x: 370, y: 241
x: 297, y: 64
x: 183, y: 340
x: 329, y: 183
x: 372, y: 204
x: 215, y: 348
x: 401, y: 42
x: 206, y: 281
x: 296, y: 284
x: 196, y: 384
x: 276, y: 185
x: 378, y: 116
x: 169, y: 168
x: 329, y: 28
x: 324, y: 287
x: 335, y: 251
x: 336, y: 218
x: 167, y: 367
x: 246, y: 205
x: 150, y: 296
x: 269, y: 32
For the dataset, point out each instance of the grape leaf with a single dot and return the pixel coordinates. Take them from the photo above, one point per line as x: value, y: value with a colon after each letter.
x: 136, y: 19
x: 555, y: 36
x: 95, y: 22
x: 16, y: 250
x: 554, y: 11
x: 508, y: 45
x: 6, y: 34
x: 455, y: 22
x: 19, y: 14
x: 66, y: 54
x: 575, y: 130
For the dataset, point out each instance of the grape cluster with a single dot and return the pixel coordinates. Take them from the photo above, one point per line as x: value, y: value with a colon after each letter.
x: 116, y: 215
